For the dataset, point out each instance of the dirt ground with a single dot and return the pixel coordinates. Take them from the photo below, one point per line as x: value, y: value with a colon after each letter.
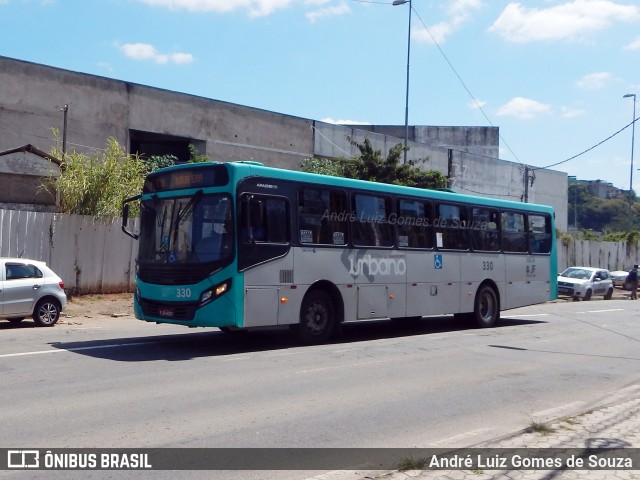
x: 95, y: 306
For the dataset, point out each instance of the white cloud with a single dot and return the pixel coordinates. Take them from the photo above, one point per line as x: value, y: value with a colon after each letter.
x: 572, y: 112
x: 255, y: 8
x: 145, y: 51
x: 523, y: 108
x: 344, y: 122
x: 572, y: 21
x: 476, y: 104
x: 635, y: 45
x: 328, y: 12
x: 458, y: 12
x: 594, y: 81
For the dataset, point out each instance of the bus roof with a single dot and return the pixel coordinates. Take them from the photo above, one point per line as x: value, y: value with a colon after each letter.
x: 246, y: 169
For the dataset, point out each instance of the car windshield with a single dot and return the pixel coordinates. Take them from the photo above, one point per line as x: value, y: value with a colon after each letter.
x: 186, y: 230
x: 578, y: 273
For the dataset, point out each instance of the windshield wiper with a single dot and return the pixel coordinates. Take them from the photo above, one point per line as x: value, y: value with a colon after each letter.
x: 188, y: 207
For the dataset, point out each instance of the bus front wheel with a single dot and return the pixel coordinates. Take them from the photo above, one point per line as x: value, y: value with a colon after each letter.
x: 317, y: 317
x: 486, y: 310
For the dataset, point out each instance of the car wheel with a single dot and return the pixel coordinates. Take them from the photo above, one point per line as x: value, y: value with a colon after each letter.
x: 609, y: 294
x: 15, y: 320
x: 587, y: 296
x: 46, y: 313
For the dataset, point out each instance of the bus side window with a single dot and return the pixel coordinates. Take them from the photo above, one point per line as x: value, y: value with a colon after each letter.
x: 484, y: 229
x: 372, y: 227
x: 322, y: 216
x: 451, y: 227
x: 414, y: 224
x: 514, y: 235
x: 263, y: 220
x: 539, y: 233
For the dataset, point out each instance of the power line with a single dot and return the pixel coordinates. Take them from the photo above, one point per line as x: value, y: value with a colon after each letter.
x: 464, y: 85
x: 590, y: 148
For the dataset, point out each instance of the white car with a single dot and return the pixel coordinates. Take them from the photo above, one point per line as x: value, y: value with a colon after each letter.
x: 619, y: 278
x: 28, y: 288
x: 584, y: 282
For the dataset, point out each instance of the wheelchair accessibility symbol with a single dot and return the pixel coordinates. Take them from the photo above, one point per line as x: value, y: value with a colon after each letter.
x: 437, y: 261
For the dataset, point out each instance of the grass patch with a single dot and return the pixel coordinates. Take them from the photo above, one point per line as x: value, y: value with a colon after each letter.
x: 540, y: 428
x: 409, y: 463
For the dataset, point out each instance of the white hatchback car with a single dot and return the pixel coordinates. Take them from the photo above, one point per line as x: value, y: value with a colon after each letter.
x: 584, y: 282
x: 28, y: 288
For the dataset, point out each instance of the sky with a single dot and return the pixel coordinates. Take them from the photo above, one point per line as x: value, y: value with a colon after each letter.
x: 550, y: 74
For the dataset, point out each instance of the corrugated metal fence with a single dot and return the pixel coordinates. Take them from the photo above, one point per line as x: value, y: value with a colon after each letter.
x: 90, y: 255
x: 93, y: 255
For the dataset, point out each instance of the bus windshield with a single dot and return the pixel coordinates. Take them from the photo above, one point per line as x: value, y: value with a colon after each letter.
x: 186, y: 230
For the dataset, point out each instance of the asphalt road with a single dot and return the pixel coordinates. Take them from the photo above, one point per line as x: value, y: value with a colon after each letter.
x: 117, y: 382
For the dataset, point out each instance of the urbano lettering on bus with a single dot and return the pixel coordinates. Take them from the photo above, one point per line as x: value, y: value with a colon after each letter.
x: 406, y: 221
x: 377, y: 266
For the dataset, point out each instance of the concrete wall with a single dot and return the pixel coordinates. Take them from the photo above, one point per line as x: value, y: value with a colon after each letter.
x: 32, y: 95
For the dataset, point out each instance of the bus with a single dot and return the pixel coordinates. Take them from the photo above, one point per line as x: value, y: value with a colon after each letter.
x: 239, y: 245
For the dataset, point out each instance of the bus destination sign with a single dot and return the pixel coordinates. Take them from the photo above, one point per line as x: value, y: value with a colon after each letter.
x: 214, y: 176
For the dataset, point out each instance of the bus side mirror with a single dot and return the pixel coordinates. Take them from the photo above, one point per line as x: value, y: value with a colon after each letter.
x: 125, y: 217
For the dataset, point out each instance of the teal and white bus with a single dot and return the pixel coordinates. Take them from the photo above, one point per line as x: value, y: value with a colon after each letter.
x: 240, y: 245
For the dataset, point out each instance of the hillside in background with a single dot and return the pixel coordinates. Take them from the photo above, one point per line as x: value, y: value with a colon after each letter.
x: 600, y: 215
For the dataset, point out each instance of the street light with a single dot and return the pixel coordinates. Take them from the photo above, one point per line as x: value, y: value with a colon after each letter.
x: 633, y: 134
x: 406, y: 108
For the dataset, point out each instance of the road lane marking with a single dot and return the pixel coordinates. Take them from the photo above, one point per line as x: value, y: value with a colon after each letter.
x: 604, y: 311
x: 530, y: 315
x: 554, y: 411
x: 75, y: 349
x: 462, y: 436
x: 322, y: 369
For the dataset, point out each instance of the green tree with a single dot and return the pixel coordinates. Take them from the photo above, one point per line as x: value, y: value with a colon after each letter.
x: 608, y: 215
x: 371, y: 165
x: 96, y: 184
x: 155, y: 162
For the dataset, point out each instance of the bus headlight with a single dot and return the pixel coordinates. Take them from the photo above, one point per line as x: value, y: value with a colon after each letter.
x: 215, y: 292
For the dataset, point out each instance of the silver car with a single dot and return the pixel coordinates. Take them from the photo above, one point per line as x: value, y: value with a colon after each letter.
x: 585, y: 282
x: 28, y: 288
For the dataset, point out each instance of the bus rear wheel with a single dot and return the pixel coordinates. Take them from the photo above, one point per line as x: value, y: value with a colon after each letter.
x: 486, y: 310
x: 317, y: 318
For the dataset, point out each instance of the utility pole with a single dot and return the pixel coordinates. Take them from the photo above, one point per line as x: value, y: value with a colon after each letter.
x: 64, y: 109
x: 529, y: 178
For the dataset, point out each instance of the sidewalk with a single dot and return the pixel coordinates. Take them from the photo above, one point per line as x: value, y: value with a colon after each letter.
x: 612, y: 425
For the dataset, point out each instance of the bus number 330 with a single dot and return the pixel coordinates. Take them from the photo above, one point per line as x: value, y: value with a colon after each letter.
x: 183, y: 293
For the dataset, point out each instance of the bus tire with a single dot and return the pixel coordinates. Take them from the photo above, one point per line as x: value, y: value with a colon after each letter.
x: 317, y: 318
x: 486, y: 309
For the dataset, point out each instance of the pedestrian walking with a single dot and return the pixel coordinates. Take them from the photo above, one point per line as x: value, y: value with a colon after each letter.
x: 632, y: 282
